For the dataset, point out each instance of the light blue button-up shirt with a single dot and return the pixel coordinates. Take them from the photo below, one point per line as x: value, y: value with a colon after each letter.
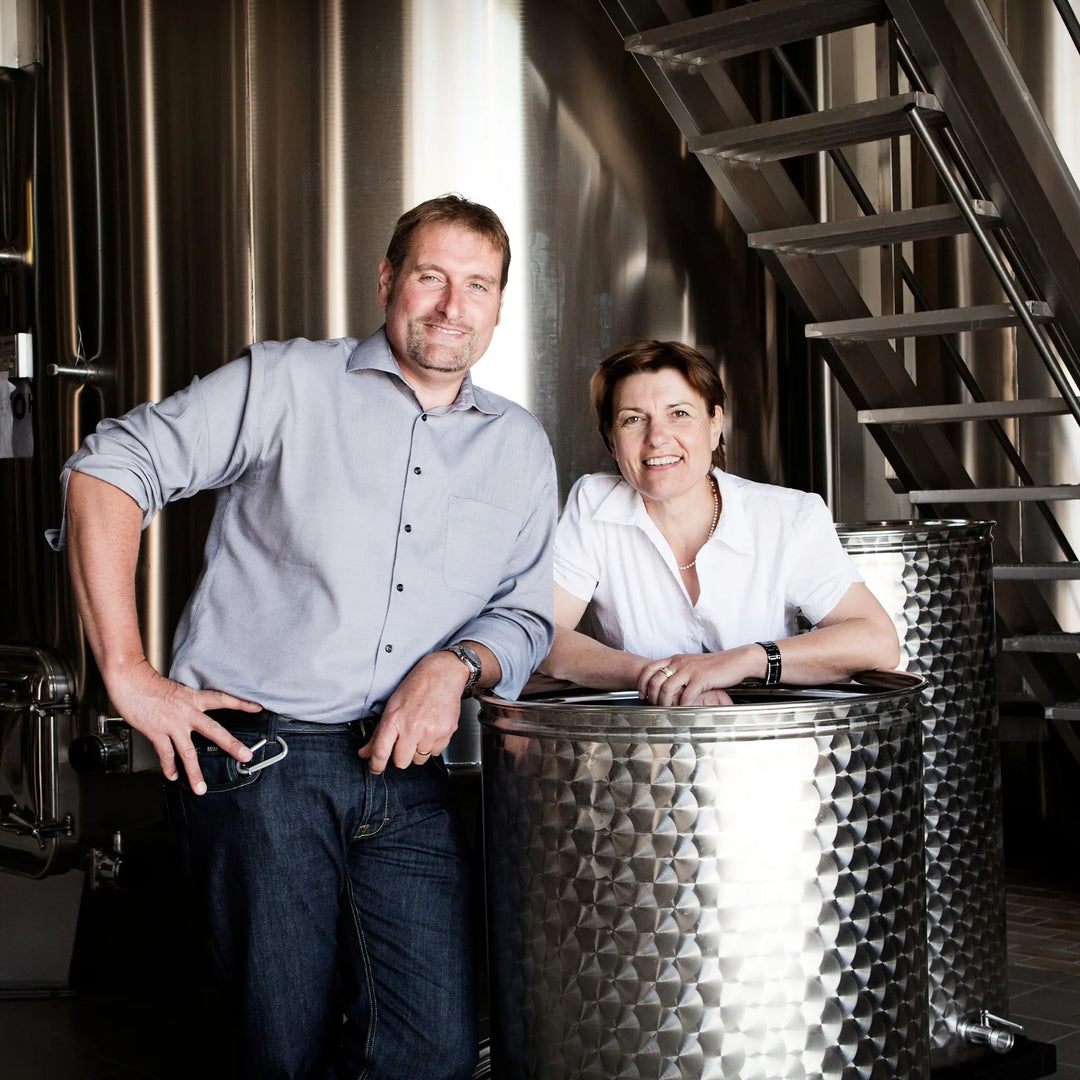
x: 354, y: 532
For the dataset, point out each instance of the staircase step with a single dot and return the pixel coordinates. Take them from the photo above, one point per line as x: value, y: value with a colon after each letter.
x: 1042, y: 643
x: 1051, y: 571
x: 1065, y: 710
x: 925, y: 323
x: 753, y: 28
x: 922, y: 223
x: 970, y: 410
x: 1051, y: 493
x: 866, y: 121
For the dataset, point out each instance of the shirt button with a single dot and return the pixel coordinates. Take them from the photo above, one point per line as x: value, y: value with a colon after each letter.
x: 400, y: 588
x: 417, y: 470
x: 423, y: 416
x: 408, y: 528
x: 389, y: 648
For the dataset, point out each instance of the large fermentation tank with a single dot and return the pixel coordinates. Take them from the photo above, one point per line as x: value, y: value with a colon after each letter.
x: 935, y: 580
x: 731, y: 892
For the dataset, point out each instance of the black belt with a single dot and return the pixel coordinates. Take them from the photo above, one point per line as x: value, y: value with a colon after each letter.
x: 258, y: 722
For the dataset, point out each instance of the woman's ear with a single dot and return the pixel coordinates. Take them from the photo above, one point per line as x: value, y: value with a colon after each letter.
x: 716, y: 426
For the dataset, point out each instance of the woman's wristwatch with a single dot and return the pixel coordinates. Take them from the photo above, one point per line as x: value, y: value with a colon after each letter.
x: 772, y: 660
x: 469, y: 658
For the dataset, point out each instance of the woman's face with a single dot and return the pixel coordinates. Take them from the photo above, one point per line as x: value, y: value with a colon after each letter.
x: 663, y: 434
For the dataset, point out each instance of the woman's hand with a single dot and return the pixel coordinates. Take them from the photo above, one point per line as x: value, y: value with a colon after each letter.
x: 701, y: 679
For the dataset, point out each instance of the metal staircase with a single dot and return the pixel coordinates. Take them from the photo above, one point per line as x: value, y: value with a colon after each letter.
x: 952, y: 87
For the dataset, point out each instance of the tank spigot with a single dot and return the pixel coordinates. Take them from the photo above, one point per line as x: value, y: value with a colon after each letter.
x: 989, y: 1030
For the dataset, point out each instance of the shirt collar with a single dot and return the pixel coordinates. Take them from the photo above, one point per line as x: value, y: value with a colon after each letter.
x: 624, y: 506
x: 374, y: 354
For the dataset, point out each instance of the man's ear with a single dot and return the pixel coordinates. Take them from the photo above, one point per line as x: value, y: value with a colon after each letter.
x: 386, y: 282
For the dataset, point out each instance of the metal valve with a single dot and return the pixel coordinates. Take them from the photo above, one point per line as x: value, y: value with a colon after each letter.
x: 107, y: 750
x: 990, y: 1030
x: 105, y: 866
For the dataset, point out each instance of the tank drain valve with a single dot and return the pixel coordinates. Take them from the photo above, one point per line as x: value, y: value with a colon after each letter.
x: 990, y: 1030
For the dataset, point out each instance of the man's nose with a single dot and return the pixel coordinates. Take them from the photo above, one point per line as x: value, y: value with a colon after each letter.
x: 452, y: 300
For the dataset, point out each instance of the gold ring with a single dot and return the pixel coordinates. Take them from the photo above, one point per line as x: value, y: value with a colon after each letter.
x: 667, y: 672
x: 423, y: 753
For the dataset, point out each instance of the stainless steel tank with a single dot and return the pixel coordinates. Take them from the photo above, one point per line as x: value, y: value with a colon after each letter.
x: 935, y: 579
x: 728, y: 892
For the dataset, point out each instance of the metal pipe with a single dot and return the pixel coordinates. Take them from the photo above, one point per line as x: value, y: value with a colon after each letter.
x: 86, y: 372
x: 1070, y: 20
x: 1018, y: 302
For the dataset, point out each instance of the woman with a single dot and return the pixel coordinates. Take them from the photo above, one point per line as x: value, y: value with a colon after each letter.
x: 695, y: 576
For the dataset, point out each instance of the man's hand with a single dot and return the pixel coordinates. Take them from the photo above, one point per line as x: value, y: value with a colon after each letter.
x: 168, y: 712
x: 421, y: 715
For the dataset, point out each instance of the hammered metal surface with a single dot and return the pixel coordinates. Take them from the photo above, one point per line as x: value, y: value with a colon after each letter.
x: 733, y: 895
x: 935, y: 579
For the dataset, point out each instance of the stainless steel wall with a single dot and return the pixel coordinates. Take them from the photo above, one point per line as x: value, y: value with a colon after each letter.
x: 212, y: 172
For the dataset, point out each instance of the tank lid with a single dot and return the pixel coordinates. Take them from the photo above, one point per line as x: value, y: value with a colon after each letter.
x: 870, y: 699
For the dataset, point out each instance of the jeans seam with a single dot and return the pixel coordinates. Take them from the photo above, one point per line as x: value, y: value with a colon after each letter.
x: 362, y: 832
x: 369, y: 980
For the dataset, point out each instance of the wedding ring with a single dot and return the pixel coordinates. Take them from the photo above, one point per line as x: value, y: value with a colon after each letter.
x: 667, y: 672
x: 423, y: 753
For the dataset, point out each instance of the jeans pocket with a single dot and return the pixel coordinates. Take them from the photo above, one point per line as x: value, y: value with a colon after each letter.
x: 219, y: 769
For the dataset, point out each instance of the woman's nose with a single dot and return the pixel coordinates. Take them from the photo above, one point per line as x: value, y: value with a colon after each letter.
x: 656, y: 433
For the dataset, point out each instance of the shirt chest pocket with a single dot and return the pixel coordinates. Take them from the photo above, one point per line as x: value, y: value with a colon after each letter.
x: 479, y: 539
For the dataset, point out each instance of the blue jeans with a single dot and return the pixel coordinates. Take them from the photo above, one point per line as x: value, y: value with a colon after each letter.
x: 340, y: 907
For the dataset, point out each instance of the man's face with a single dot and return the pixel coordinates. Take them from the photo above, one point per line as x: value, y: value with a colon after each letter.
x: 443, y: 304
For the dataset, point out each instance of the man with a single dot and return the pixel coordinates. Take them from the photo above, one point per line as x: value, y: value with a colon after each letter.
x: 381, y: 545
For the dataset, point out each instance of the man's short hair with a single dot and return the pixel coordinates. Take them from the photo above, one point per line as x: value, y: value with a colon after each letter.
x: 449, y: 210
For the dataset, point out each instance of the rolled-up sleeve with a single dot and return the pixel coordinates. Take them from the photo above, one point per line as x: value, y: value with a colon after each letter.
x: 201, y: 437
x: 518, y: 623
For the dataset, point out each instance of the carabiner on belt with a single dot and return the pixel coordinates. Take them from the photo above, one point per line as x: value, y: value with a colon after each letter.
x: 245, y: 769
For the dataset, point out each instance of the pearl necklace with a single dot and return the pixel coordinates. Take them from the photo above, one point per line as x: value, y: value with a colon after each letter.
x: 712, y: 528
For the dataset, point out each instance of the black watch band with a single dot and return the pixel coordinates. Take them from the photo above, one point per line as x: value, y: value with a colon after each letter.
x: 469, y: 658
x: 772, y: 658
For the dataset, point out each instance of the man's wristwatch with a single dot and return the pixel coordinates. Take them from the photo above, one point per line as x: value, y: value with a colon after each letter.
x: 469, y: 658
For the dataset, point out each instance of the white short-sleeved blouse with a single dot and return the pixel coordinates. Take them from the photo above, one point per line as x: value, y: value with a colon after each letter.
x: 775, y: 553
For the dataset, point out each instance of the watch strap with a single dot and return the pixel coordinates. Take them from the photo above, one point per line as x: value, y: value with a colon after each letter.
x: 773, y: 661
x: 469, y: 658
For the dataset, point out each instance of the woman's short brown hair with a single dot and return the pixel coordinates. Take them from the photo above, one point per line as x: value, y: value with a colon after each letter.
x: 450, y: 210
x: 646, y: 354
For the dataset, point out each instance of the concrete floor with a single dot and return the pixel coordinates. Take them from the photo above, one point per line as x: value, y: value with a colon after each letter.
x: 1044, y: 966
